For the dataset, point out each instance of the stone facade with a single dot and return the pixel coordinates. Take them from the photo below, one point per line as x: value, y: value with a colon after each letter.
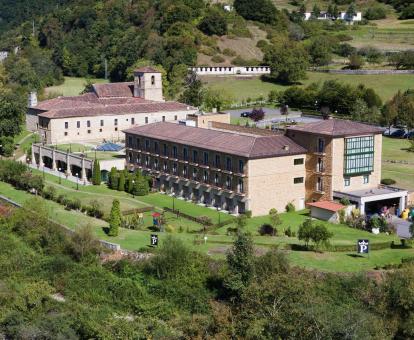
x: 71, y: 130
x: 207, y: 120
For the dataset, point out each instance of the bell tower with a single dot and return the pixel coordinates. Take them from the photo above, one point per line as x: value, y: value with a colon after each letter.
x: 148, y: 84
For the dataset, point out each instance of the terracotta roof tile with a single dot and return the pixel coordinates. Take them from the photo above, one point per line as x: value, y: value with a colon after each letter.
x: 327, y: 205
x: 245, y: 145
x: 114, y: 89
x: 337, y: 128
x: 147, y: 69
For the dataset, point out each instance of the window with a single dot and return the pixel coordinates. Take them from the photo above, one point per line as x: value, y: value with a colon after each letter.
x: 138, y: 159
x: 130, y: 141
x: 241, y: 166
x: 165, y: 149
x: 347, y: 181
x: 298, y: 161
x: 78, y: 124
x: 116, y: 121
x: 146, y: 120
x: 366, y: 179
x: 185, y: 171
x: 175, y: 153
x: 156, y: 148
x: 175, y: 168
x: 147, y: 161
x: 298, y: 180
x: 102, y: 122
x: 185, y: 154
x: 194, y: 173
x: 100, y: 130
x: 205, y: 158
x: 66, y: 133
x: 321, y: 145
x: 319, y: 165
x: 241, y: 186
x: 228, y: 163
x: 205, y: 176
x: 228, y: 182
x: 88, y: 123
x: 137, y: 143
x: 195, y: 156
x: 175, y: 117
x: 66, y: 125
x: 153, y: 80
x: 147, y: 145
x: 319, y: 185
x: 132, y: 121
x: 130, y: 157
x: 165, y: 166
x: 216, y: 179
x: 217, y: 162
x: 359, y: 155
x: 116, y: 129
x: 163, y: 118
x: 156, y: 164
x: 89, y: 131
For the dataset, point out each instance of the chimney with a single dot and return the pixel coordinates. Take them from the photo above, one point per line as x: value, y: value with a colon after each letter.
x: 286, y: 147
x: 32, y: 101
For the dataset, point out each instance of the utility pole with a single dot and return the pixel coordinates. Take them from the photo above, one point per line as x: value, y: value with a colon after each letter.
x: 106, y: 68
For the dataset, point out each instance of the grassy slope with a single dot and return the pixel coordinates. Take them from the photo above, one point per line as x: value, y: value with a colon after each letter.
x: 395, y: 150
x: 385, y: 85
x: 72, y: 86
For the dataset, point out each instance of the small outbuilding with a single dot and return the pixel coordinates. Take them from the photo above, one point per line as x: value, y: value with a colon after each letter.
x: 326, y: 210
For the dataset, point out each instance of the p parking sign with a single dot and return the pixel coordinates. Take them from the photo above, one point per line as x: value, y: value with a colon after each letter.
x: 363, y: 246
x: 154, y: 240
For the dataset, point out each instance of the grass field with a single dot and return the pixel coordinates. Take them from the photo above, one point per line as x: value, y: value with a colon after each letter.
x: 72, y: 86
x: 395, y: 150
x: 385, y: 85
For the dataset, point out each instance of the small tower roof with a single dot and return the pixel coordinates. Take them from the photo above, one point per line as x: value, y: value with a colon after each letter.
x: 146, y: 69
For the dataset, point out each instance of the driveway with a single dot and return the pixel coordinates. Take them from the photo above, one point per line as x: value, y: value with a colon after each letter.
x: 403, y: 226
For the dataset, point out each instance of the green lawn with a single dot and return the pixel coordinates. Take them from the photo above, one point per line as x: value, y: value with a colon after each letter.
x: 88, y: 152
x: 240, y: 89
x: 72, y: 86
x: 395, y: 149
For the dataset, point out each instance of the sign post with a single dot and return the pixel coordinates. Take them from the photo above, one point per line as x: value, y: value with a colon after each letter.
x: 154, y: 240
x: 363, y: 247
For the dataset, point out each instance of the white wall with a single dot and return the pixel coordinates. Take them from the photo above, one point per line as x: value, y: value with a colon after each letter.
x: 230, y: 70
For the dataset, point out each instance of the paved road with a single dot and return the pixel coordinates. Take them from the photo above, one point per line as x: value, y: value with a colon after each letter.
x: 403, y: 226
x: 269, y: 112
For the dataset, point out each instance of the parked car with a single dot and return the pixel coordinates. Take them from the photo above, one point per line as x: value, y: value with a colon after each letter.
x: 409, y: 135
x: 387, y: 132
x: 245, y: 114
x: 398, y: 133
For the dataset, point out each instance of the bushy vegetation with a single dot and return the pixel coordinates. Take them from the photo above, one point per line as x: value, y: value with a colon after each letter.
x: 55, y: 286
x: 18, y: 175
x: 134, y: 183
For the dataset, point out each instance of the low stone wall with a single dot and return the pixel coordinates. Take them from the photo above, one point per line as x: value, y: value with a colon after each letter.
x: 367, y: 72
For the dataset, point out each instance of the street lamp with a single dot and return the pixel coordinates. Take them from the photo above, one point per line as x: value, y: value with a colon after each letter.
x: 173, y: 197
x: 218, y: 213
x: 60, y: 178
x: 133, y: 188
x: 77, y: 181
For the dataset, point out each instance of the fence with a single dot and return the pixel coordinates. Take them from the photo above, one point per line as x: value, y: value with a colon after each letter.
x: 366, y: 72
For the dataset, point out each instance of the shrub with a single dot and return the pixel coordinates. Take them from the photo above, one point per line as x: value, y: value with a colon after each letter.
x: 49, y: 193
x: 290, y: 207
x: 344, y: 37
x: 375, y: 13
x: 257, y: 114
x: 267, y: 229
x: 288, y: 232
x: 169, y: 228
x: 213, y: 24
x: 262, y: 44
x: 341, y: 214
x: 355, y: 62
x: 388, y: 181
x: 217, y: 59
x: 229, y: 52
x: 344, y: 201
x: 248, y: 213
x: 61, y: 199
x: 114, y: 219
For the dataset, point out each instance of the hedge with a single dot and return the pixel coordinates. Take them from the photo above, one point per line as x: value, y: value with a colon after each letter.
x: 137, y: 210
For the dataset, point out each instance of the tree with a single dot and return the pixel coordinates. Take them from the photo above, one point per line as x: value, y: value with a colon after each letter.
x: 335, y: 12
x: 113, y: 179
x: 240, y: 262
x: 12, y: 112
x: 355, y: 62
x: 257, y: 114
x: 193, y: 93
x: 241, y: 221
x: 96, y: 176
x: 84, y: 243
x: 359, y: 110
x: 320, y: 51
x: 350, y: 13
x: 216, y: 99
x: 141, y: 186
x: 288, y: 61
x: 274, y: 218
x: 213, y: 23
x: 121, y: 182
x: 305, y: 232
x: 320, y: 235
x: 316, y: 12
x: 258, y: 10
x: 114, y: 219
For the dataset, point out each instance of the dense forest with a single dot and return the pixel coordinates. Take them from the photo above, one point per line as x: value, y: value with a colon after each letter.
x: 59, y: 286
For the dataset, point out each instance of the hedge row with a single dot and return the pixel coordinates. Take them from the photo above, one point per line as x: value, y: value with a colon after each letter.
x: 199, y: 219
x: 137, y: 210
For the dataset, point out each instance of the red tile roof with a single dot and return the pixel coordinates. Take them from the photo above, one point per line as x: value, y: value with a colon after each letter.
x: 147, y: 69
x: 107, y: 99
x: 245, y: 145
x: 327, y: 205
x: 114, y: 89
x: 337, y: 128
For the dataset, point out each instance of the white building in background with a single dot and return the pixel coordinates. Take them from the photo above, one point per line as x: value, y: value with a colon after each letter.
x: 228, y: 8
x: 230, y: 70
x: 342, y: 16
x: 3, y: 55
